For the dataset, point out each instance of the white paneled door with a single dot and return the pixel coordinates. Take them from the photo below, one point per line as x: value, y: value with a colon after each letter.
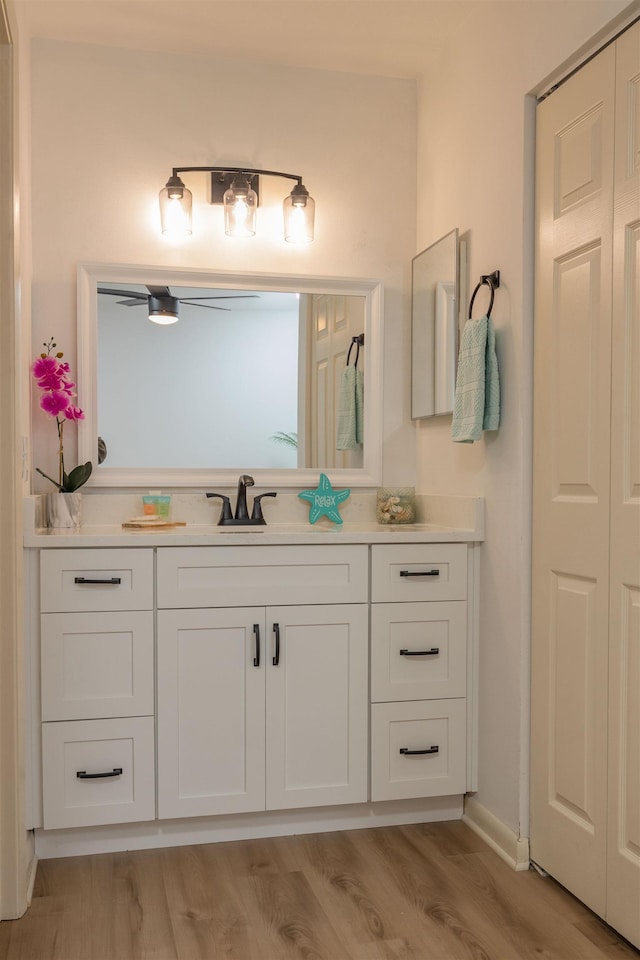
x: 623, y: 846
x: 585, y: 802
x: 334, y: 321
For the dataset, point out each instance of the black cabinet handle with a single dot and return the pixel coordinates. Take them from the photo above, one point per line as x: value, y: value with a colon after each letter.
x: 256, y: 633
x: 419, y: 573
x: 110, y: 580
x: 83, y: 775
x: 420, y: 653
x: 276, y: 659
x: 415, y: 753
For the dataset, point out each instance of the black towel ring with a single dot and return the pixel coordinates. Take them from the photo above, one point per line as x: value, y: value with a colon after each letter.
x: 358, y: 341
x: 491, y: 280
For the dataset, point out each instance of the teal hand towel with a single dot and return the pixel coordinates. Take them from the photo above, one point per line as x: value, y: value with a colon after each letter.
x: 491, y: 417
x: 359, y: 407
x: 477, y: 399
x: 346, y: 438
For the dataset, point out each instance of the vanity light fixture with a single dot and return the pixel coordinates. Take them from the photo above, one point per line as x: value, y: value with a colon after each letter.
x: 237, y: 188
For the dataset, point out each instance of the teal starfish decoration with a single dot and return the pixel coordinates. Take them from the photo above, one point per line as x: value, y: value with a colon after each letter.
x: 324, y: 500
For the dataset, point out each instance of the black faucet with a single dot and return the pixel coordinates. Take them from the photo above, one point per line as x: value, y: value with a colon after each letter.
x: 244, y: 481
x: 241, y: 517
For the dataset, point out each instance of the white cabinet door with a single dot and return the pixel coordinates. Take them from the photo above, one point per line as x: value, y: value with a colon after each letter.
x: 210, y: 711
x: 316, y: 678
x: 212, y: 681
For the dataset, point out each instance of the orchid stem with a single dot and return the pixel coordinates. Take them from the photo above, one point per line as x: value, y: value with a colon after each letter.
x: 60, y: 424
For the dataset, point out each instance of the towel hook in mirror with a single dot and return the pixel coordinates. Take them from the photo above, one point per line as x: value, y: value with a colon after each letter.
x: 491, y: 280
x: 359, y: 341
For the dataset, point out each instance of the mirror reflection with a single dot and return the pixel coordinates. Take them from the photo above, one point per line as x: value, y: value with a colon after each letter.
x: 204, y: 378
x: 239, y: 377
x: 434, y: 327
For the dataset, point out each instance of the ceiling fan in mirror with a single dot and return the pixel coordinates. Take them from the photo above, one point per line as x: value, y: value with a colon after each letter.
x: 163, y: 306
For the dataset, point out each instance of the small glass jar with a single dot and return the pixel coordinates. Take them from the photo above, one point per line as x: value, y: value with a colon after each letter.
x: 396, y: 505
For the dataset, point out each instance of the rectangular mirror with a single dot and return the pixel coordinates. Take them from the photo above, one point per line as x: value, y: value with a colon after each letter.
x: 435, y: 319
x: 246, y: 379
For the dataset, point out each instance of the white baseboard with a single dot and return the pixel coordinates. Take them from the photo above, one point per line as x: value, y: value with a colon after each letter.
x: 244, y: 826
x: 511, y: 848
x: 31, y: 877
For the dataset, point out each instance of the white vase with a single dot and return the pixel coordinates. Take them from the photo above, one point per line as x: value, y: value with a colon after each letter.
x: 63, y: 510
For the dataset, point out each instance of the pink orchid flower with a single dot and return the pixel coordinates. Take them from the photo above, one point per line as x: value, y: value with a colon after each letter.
x: 54, y: 402
x: 54, y: 379
x: 74, y: 413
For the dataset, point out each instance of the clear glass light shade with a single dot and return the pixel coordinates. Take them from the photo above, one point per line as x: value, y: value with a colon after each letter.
x: 240, y: 203
x: 299, y: 214
x: 175, y: 212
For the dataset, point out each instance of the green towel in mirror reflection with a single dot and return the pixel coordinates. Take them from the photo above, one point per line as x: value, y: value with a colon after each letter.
x: 350, y: 426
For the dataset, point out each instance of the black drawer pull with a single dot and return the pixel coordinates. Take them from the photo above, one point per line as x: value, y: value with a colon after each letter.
x: 256, y: 633
x: 83, y: 775
x: 414, y: 753
x: 110, y: 580
x: 420, y: 573
x: 420, y: 653
x: 276, y: 659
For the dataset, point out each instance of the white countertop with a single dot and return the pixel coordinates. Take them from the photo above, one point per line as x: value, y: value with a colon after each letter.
x: 450, y: 520
x: 211, y: 535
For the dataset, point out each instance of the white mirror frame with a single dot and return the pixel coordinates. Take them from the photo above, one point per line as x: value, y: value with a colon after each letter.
x: 90, y: 275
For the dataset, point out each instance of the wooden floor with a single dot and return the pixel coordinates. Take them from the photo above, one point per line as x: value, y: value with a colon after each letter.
x: 423, y: 892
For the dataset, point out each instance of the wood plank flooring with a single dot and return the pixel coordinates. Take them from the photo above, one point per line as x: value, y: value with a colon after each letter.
x: 420, y: 892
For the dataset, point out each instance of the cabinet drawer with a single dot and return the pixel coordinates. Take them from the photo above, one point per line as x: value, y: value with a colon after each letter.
x: 433, y: 725
x: 418, y: 650
x: 97, y: 665
x: 430, y: 571
x: 79, y: 580
x: 93, y: 748
x: 261, y: 576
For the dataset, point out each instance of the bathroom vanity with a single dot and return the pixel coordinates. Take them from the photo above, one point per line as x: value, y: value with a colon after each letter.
x: 192, y: 685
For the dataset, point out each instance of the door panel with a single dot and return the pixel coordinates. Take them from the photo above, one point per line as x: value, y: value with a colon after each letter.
x: 317, y: 705
x: 623, y: 855
x: 334, y: 320
x: 571, y: 480
x: 210, y: 712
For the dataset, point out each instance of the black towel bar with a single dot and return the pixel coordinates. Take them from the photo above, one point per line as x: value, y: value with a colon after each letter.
x: 491, y: 280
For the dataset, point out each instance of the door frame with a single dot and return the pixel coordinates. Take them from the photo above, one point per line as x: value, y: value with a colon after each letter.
x: 17, y: 863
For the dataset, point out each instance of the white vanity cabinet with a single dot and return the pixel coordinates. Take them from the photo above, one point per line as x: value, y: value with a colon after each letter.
x: 418, y: 670
x: 97, y: 689
x: 188, y: 687
x: 262, y: 678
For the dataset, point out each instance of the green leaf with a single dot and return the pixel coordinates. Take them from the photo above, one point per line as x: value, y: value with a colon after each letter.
x: 78, y: 476
x: 289, y: 439
x: 47, y: 477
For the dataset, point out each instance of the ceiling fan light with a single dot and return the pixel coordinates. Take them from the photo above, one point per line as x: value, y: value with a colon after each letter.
x: 175, y: 209
x: 163, y: 310
x: 240, y: 202
x: 299, y: 215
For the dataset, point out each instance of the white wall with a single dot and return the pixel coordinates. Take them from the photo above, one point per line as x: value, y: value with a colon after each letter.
x: 109, y: 125
x: 475, y: 138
